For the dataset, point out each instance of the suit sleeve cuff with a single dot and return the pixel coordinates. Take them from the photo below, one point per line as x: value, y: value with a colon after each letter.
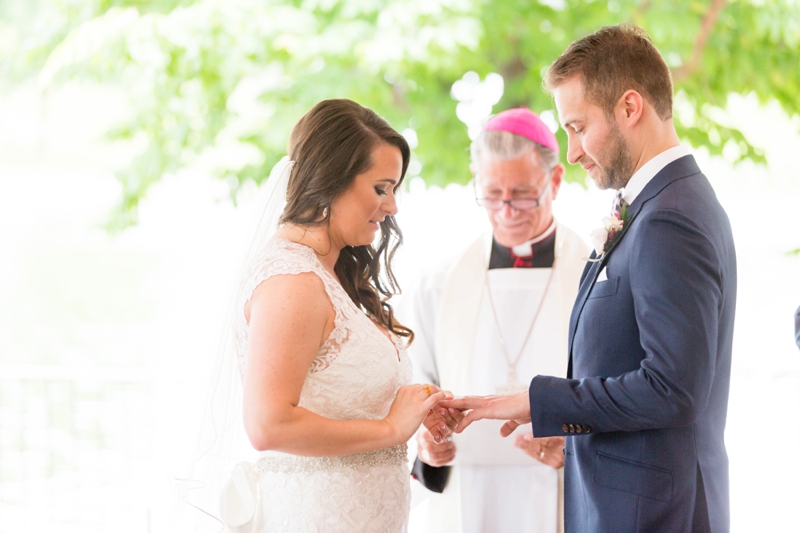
x: 550, y: 400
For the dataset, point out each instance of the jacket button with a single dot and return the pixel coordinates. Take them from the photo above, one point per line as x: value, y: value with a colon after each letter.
x: 564, y: 428
x: 578, y: 428
x: 571, y: 428
x: 587, y: 429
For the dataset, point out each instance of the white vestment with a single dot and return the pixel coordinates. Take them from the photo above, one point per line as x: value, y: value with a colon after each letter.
x: 493, y: 486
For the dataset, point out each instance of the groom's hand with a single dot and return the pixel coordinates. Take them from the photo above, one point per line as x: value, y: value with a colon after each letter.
x: 441, y: 422
x: 512, y: 407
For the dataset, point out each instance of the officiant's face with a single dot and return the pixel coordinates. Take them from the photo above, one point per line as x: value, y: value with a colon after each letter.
x: 523, y: 177
x: 356, y: 214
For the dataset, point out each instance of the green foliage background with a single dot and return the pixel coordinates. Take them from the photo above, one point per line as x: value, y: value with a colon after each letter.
x: 222, y: 81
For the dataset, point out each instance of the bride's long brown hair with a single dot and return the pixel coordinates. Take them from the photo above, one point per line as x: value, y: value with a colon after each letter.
x: 330, y: 146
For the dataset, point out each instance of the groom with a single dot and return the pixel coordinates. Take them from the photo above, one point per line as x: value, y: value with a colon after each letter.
x: 644, y: 403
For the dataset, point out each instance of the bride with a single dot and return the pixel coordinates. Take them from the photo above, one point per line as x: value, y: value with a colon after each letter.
x: 325, y: 375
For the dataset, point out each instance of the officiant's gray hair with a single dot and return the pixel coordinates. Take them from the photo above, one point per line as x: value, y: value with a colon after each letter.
x: 504, y: 145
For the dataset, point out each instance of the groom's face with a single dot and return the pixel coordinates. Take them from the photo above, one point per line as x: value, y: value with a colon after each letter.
x: 594, y: 138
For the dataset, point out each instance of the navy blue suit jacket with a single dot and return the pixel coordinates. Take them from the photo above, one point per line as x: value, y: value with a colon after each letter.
x: 645, y: 399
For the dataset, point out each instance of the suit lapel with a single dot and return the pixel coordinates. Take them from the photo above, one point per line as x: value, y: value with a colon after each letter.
x: 583, y: 291
x: 683, y: 167
x: 678, y: 169
x: 590, y: 272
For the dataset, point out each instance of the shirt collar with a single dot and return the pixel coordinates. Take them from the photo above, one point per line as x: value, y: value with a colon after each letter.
x: 524, y: 249
x: 648, y: 171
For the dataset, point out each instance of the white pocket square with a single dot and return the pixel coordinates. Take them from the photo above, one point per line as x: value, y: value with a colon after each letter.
x: 602, y: 276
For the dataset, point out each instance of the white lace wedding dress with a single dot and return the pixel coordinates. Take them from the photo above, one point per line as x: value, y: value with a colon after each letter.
x: 355, y: 375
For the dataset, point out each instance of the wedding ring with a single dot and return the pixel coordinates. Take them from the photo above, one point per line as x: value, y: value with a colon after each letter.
x: 541, y: 454
x: 427, y: 389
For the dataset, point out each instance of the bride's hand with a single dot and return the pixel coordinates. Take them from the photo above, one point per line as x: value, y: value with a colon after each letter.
x: 410, y: 407
x: 441, y: 422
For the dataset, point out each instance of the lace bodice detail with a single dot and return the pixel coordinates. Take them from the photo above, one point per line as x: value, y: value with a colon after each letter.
x: 358, y: 369
x: 355, y: 375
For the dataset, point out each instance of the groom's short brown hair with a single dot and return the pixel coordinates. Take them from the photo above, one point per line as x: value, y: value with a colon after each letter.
x: 611, y: 61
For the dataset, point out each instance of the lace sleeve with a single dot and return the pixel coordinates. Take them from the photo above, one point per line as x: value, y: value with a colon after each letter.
x: 281, y: 258
x: 268, y: 265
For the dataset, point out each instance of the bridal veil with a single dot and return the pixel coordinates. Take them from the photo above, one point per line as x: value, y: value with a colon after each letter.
x: 219, y: 489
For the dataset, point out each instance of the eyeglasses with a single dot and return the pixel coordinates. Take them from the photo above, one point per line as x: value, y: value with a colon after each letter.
x: 521, y: 204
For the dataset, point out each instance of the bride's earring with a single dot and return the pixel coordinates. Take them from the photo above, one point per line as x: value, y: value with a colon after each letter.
x: 325, y: 213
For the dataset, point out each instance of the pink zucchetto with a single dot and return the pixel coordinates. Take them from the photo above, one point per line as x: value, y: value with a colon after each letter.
x: 522, y: 121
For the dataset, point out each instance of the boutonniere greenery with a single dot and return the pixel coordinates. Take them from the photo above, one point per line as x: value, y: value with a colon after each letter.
x: 605, y: 237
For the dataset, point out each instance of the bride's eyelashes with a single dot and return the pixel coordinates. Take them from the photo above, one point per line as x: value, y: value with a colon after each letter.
x: 381, y: 192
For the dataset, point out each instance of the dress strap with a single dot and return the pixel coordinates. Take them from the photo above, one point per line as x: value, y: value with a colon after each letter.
x: 284, y: 257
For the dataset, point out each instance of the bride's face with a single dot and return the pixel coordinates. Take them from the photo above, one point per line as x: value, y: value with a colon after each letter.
x: 356, y: 213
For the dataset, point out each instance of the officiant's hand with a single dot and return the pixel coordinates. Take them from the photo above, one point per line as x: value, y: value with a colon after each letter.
x: 434, y: 454
x: 547, y: 450
x: 515, y: 408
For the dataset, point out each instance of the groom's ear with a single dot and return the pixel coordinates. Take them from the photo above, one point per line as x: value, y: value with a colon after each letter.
x: 629, y: 108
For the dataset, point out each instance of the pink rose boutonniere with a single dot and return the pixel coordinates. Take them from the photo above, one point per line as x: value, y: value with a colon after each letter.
x: 604, y: 238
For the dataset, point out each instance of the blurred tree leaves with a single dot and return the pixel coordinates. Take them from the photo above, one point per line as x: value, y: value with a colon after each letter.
x: 219, y: 83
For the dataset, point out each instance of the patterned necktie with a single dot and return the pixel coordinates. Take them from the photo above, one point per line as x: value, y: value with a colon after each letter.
x: 616, y: 207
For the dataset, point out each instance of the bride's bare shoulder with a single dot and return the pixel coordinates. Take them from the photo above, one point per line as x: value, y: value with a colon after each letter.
x: 290, y: 294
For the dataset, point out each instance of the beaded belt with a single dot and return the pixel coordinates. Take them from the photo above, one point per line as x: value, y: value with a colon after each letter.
x: 296, y: 464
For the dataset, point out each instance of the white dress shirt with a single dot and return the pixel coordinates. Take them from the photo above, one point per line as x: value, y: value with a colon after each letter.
x: 642, y: 177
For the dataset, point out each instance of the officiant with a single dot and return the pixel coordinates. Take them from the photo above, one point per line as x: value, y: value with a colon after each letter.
x: 490, y: 321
